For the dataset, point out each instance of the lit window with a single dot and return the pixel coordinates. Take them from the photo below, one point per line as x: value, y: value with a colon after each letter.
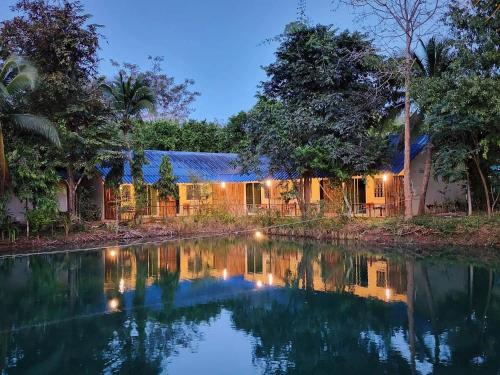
x: 379, y: 188
x: 193, y: 192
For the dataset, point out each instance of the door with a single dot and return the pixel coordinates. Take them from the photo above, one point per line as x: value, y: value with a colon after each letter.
x: 253, y: 195
x: 110, y: 202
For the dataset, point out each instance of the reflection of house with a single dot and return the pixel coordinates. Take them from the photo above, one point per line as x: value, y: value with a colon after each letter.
x: 214, y: 181
x: 384, y: 280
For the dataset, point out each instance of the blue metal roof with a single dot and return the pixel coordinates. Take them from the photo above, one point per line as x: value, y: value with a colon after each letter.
x: 204, y: 166
x: 223, y: 167
x: 397, y: 160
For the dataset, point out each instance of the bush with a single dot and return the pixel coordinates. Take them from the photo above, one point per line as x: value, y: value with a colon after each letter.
x: 87, y: 209
x: 43, y: 216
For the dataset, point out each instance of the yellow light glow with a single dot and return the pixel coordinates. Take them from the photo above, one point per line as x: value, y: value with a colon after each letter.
x: 121, y: 286
x: 223, y: 185
x: 224, y: 274
x: 270, y: 279
x: 113, y: 304
x: 385, y: 177
x: 259, y: 284
x: 258, y: 234
x: 112, y: 253
x: 269, y: 183
x: 388, y: 293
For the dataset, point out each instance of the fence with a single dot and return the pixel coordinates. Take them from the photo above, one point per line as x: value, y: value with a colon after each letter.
x: 172, y: 209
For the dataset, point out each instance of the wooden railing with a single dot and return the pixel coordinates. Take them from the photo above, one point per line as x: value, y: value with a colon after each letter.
x: 171, y: 209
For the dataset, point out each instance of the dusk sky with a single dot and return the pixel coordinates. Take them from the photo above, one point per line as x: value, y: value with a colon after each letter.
x: 218, y: 43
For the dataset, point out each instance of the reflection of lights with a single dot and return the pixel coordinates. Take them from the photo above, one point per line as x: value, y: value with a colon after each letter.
x: 223, y: 185
x: 121, y: 287
x: 224, y: 274
x: 113, y: 304
x: 259, y: 284
x: 269, y: 183
x: 112, y: 253
x: 270, y: 277
x: 384, y: 177
x: 258, y: 234
x: 388, y: 293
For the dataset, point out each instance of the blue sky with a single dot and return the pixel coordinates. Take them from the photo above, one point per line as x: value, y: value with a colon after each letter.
x: 218, y: 43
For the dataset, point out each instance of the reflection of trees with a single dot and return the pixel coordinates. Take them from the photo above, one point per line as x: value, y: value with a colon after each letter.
x: 297, y: 329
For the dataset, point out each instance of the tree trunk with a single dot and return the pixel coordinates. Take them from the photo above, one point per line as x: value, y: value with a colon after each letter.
x: 70, y: 180
x: 407, y: 135
x: 469, y: 197
x: 3, y: 164
x: 425, y: 179
x: 485, y: 185
x: 307, y: 193
x: 410, y: 310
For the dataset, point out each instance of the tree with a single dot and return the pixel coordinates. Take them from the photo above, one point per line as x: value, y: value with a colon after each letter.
x: 130, y: 97
x: 61, y: 42
x: 463, y: 105
x: 233, y: 136
x: 17, y: 76
x: 160, y: 134
x: 435, y: 60
x: 173, y: 100
x: 406, y: 19
x: 167, y: 184
x: 201, y: 136
x: 323, y: 101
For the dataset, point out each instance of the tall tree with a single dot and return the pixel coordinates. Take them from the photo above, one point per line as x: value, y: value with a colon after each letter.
x: 59, y: 39
x: 16, y: 77
x: 405, y: 19
x: 434, y: 61
x: 322, y: 102
x: 463, y: 105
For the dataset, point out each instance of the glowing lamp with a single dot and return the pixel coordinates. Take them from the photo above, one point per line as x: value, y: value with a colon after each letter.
x: 384, y: 177
x: 113, y: 304
x: 269, y: 183
x: 258, y: 234
x: 259, y: 284
x: 223, y: 185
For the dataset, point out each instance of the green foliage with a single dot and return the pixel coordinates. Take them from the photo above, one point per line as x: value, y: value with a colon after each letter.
x: 166, y: 185
x: 321, y: 107
x: 200, y: 136
x: 463, y: 104
x: 43, y: 215
x: 87, y: 208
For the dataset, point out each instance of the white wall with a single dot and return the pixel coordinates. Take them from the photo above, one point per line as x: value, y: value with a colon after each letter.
x: 16, y: 208
x: 437, y: 191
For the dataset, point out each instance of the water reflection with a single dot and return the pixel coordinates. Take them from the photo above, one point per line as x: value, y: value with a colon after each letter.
x: 277, y: 306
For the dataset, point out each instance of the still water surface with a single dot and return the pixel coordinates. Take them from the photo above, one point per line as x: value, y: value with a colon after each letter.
x: 241, y: 306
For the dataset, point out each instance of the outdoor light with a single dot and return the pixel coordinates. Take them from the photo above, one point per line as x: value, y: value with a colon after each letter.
x: 270, y: 278
x: 223, y: 185
x: 385, y: 177
x: 113, y: 304
x: 388, y: 293
x: 258, y: 234
x: 224, y: 274
x: 269, y: 183
x: 259, y: 284
x: 112, y: 253
x: 121, y: 286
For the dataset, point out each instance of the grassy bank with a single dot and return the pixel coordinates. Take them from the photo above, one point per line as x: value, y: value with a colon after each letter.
x: 475, y: 231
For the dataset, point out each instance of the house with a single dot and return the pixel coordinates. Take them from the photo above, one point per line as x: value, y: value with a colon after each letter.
x: 213, y: 181
x: 17, y: 209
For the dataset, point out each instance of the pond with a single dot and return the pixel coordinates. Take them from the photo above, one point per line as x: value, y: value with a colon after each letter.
x: 247, y: 306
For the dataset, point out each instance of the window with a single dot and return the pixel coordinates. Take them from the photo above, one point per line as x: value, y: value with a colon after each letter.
x: 381, y: 280
x: 193, y: 192
x: 253, y: 191
x: 379, y: 188
x: 126, y: 193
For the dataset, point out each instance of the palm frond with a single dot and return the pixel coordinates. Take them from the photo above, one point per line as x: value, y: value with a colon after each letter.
x: 11, y: 64
x: 26, y: 79
x: 36, y: 124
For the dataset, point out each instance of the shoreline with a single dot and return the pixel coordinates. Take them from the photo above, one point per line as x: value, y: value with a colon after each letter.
x: 389, y: 232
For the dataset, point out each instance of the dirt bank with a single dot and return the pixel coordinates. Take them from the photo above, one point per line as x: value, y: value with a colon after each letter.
x: 477, y: 231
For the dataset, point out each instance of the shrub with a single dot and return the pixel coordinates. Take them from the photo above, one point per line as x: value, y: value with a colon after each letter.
x: 43, y: 216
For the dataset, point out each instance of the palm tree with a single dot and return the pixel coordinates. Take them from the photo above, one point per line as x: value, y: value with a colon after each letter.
x: 130, y: 97
x: 435, y: 60
x: 17, y: 76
